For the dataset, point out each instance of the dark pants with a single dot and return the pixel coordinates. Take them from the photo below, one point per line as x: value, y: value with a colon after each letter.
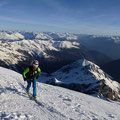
x: 29, y: 85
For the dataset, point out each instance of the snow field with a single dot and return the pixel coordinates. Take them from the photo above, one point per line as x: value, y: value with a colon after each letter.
x: 60, y: 103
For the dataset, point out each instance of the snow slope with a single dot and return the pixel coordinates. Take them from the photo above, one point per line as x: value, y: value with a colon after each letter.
x: 60, y: 103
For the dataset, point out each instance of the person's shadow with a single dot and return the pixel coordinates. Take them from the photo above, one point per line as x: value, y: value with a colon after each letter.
x: 13, y: 90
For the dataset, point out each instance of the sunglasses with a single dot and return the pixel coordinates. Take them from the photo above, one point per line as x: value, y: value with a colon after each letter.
x: 35, y: 65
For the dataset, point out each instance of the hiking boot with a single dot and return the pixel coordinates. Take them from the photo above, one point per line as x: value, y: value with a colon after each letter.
x: 28, y: 93
x: 35, y: 98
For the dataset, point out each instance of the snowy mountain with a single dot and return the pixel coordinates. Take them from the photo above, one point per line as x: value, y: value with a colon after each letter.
x: 60, y: 103
x: 43, y: 36
x: 63, y: 36
x: 18, y: 49
x: 14, y: 49
x: 85, y: 76
x: 12, y: 36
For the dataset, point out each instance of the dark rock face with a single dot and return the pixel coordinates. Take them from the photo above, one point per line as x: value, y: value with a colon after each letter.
x: 107, y: 92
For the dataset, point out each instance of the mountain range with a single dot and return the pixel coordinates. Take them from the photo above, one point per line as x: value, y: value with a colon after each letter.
x: 53, y: 50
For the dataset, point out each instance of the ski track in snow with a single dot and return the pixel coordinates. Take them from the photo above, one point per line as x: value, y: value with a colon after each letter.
x: 60, y: 103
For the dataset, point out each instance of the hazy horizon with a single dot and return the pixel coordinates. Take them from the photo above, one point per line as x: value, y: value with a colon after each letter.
x: 72, y: 16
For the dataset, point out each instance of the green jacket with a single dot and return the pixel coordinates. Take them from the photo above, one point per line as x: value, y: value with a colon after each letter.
x: 29, y: 73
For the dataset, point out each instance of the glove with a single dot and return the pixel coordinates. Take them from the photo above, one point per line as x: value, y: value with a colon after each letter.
x: 37, y: 76
x: 25, y: 79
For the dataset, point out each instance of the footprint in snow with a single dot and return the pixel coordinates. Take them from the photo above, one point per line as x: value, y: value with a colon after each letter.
x: 67, y: 99
x: 111, y: 116
x: 15, y: 116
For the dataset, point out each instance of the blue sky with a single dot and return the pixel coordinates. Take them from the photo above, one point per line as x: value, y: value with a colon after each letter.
x: 74, y: 16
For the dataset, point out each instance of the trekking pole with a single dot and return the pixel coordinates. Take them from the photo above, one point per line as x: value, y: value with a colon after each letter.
x: 24, y: 83
x: 36, y: 82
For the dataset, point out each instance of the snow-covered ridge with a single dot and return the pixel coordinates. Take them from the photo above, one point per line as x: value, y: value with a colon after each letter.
x: 60, y: 103
x: 66, y: 36
x: 16, y: 35
x: 12, y: 36
x: 116, y: 39
x: 14, y: 45
x: 85, y: 76
x: 35, y: 35
x: 13, y: 50
x: 43, y: 36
